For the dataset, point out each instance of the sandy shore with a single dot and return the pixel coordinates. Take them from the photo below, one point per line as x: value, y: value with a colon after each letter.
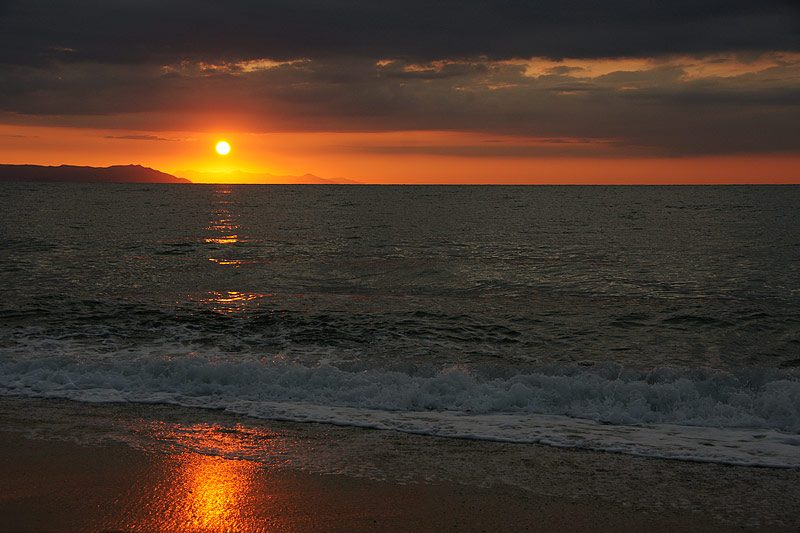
x: 58, y: 485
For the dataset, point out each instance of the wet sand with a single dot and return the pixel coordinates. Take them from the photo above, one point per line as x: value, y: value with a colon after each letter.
x: 70, y: 487
x: 61, y: 485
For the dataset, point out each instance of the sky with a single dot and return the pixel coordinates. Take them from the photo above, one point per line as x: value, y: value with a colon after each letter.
x: 502, y: 91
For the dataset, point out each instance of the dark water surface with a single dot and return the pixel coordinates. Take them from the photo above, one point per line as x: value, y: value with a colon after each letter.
x: 601, y: 317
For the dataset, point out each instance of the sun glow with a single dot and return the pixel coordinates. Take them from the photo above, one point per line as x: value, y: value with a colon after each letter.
x: 223, y: 148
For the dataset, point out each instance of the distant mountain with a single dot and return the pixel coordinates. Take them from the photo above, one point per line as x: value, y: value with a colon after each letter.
x: 69, y: 173
x: 248, y: 177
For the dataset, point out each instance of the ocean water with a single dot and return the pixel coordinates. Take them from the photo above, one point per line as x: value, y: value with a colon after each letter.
x: 653, y: 321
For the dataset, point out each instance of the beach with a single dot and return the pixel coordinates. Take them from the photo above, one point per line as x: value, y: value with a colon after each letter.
x: 400, y: 358
x: 64, y: 479
x: 405, y: 267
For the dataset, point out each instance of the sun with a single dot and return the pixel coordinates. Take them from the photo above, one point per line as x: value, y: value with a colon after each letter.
x: 223, y: 148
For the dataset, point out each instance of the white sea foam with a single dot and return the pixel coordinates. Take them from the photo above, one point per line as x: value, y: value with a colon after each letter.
x: 751, y: 417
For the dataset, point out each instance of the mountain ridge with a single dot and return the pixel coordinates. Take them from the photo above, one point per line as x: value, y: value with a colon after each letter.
x: 86, y: 174
x: 142, y: 174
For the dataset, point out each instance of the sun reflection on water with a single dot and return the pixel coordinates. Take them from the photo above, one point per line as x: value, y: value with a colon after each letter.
x: 234, y: 262
x: 223, y: 224
x: 230, y: 302
x: 227, y: 239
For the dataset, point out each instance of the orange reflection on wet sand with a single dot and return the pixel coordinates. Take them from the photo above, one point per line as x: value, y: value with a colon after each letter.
x: 201, y: 493
x: 206, y: 490
x: 211, y: 493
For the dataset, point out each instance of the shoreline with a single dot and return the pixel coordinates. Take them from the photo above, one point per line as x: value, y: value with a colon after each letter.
x: 63, y: 467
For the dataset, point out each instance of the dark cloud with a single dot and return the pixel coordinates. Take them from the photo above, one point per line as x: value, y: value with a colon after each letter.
x: 656, y: 108
x: 165, y: 31
x: 547, y: 148
x: 139, y: 138
x: 172, y: 65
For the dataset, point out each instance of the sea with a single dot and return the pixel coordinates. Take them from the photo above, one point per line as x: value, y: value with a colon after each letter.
x: 656, y: 321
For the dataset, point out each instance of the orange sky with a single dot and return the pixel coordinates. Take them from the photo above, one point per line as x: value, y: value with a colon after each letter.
x: 664, y: 119
x: 504, y: 92
x: 422, y: 157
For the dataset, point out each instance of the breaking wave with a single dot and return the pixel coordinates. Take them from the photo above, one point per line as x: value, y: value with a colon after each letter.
x: 677, y: 413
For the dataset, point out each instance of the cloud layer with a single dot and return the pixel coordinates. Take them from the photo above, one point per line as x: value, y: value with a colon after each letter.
x: 676, y: 78
x: 209, y: 30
